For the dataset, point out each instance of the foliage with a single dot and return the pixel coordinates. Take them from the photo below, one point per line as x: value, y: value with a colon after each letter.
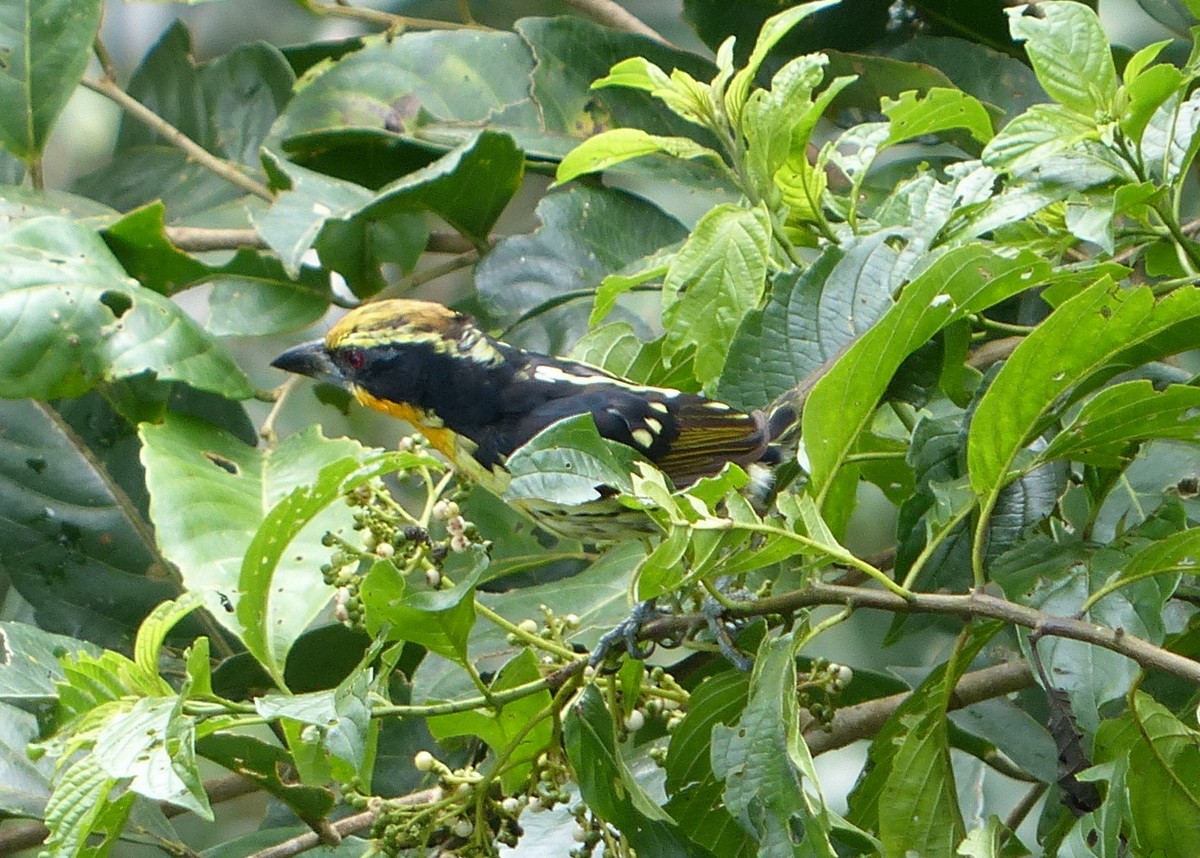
x: 964, y: 256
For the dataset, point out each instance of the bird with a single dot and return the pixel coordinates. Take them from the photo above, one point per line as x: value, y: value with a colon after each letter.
x: 477, y: 400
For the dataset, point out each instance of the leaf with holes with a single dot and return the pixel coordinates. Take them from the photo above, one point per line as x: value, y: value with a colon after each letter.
x: 72, y: 318
x: 212, y: 498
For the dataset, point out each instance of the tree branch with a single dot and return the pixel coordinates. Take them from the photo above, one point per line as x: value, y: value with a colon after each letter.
x: 343, y: 827
x: 227, y: 171
x: 976, y: 604
x: 609, y: 14
x: 199, y: 239
x: 30, y: 834
x: 862, y: 720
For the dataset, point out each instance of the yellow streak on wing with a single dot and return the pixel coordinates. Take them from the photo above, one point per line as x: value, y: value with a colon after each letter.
x: 457, y: 448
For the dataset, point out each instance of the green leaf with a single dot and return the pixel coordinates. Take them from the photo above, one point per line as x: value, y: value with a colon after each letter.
x: 280, y: 592
x: 340, y: 718
x: 263, y: 518
x: 965, y: 280
x: 29, y: 664
x: 252, y: 293
x: 157, y: 625
x: 715, y: 279
x: 153, y: 745
x: 1147, y: 88
x: 467, y: 187
x: 811, y: 315
x: 616, y: 348
x: 771, y: 784
x: 19, y: 203
x: 24, y: 782
x: 1169, y: 142
x: 1045, y: 132
x: 1179, y: 552
x: 366, y: 100
x: 641, y: 271
x: 584, y: 238
x: 609, y: 788
x: 772, y: 30
x: 1109, y: 328
x: 244, y: 91
x: 302, y: 208
x: 621, y: 144
x: 80, y: 807
x: 439, y: 620
x: 75, y: 318
x: 563, y: 77
x: 522, y: 721
x: 1070, y: 55
x: 143, y: 249
x: 598, y: 596
x: 936, y: 111
x: 168, y: 83
x: 45, y: 47
x: 75, y: 539
x: 1109, y: 424
x: 1163, y: 756
x: 908, y: 793
x: 568, y: 462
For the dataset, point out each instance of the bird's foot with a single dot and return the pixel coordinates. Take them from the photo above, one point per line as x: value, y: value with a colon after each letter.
x: 625, y: 635
x: 723, y: 630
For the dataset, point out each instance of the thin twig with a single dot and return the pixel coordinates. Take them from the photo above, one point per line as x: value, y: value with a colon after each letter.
x: 386, y: 19
x: 433, y: 272
x: 609, y: 14
x: 199, y: 239
x: 267, y: 432
x: 177, y: 138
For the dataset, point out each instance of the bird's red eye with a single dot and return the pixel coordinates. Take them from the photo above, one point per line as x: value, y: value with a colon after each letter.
x: 355, y: 359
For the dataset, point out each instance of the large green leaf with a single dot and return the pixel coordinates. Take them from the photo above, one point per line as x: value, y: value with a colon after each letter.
x: 73, y: 318
x: 468, y: 188
x: 439, y: 620
x: 30, y: 667
x: 1070, y: 55
x: 210, y: 495
x: 76, y: 542
x: 568, y: 463
x: 45, y: 45
x: 716, y: 278
x: 598, y: 596
x: 1109, y: 328
x: 1105, y: 430
x: 811, y: 315
x: 24, y: 783
x: 907, y: 793
x: 771, y: 784
x: 965, y: 280
x: 153, y: 746
x: 1163, y: 758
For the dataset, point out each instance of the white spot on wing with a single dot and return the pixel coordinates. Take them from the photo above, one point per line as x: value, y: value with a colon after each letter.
x: 654, y: 425
x: 643, y: 437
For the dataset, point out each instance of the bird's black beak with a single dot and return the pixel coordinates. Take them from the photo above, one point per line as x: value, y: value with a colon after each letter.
x: 310, y: 359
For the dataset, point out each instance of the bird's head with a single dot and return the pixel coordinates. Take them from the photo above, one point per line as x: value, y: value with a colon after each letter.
x: 387, y: 340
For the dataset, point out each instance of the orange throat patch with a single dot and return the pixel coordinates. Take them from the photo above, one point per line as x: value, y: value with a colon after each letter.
x: 450, y: 444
